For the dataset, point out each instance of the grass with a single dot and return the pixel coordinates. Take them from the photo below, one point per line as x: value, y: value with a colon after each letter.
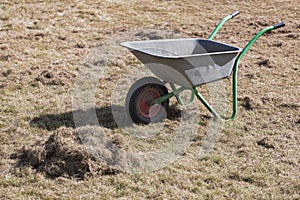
x: 43, y: 46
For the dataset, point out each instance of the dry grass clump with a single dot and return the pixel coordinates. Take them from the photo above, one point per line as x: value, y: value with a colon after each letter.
x: 61, y: 155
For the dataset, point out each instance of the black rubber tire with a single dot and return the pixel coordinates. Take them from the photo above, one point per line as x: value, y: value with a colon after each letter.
x: 136, y: 105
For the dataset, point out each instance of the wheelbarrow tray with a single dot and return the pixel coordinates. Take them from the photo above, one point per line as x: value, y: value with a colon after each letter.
x: 187, y: 62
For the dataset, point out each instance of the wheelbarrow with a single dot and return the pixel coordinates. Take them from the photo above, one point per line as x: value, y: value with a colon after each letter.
x: 187, y: 62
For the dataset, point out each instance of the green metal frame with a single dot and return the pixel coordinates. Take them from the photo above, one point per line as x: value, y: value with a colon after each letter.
x: 175, y: 92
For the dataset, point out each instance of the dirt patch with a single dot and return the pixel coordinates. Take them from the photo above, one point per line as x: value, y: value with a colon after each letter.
x: 61, y: 155
x: 247, y: 104
x: 264, y: 63
x: 266, y: 142
x: 250, y: 103
x: 53, y: 77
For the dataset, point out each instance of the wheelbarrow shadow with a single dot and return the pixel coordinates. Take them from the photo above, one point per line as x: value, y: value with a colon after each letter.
x: 104, y: 115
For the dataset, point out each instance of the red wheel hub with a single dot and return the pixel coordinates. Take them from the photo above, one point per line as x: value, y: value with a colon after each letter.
x: 145, y: 99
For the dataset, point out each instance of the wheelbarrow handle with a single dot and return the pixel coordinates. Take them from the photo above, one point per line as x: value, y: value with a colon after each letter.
x: 237, y: 60
x: 221, y: 23
x: 279, y: 25
x: 260, y: 33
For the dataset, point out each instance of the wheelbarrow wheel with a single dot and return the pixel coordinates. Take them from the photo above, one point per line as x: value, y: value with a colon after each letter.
x: 139, y: 98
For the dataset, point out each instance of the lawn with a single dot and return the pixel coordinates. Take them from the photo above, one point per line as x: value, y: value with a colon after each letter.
x: 58, y: 58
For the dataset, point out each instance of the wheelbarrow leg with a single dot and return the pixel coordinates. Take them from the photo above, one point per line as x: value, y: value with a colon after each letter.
x: 176, y: 94
x: 206, y: 104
